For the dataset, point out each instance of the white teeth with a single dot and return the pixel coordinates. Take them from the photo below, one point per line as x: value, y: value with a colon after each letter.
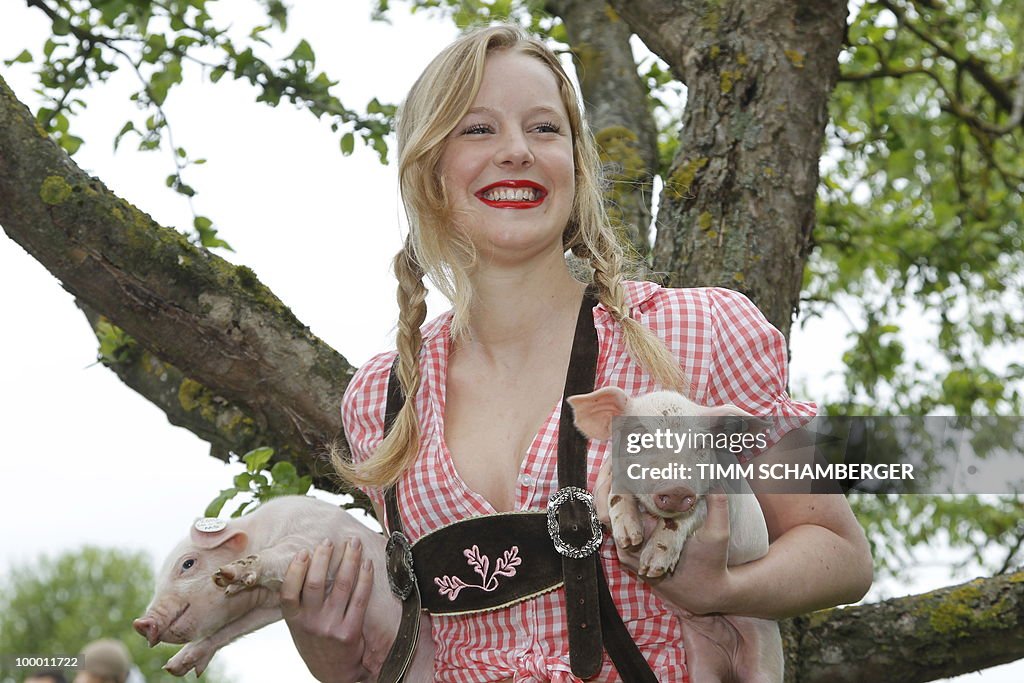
x: 509, y: 194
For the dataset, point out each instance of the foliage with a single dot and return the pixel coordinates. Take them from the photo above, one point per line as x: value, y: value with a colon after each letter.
x: 53, y: 607
x: 920, y: 230
x: 261, y: 481
x: 920, y: 212
x: 162, y: 42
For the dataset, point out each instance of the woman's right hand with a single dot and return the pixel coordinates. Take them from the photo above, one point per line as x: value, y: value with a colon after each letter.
x: 327, y: 623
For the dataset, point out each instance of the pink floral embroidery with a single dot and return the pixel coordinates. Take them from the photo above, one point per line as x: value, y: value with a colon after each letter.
x: 503, y: 566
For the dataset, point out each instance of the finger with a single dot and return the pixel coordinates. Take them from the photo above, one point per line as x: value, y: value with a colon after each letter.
x: 291, y: 586
x: 628, y: 558
x: 602, y: 490
x: 357, y: 604
x: 716, y: 526
x: 314, y: 589
x: 345, y: 579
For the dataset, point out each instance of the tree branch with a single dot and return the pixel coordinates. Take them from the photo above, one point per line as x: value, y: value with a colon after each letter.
x: 972, y: 65
x: 213, y: 321
x: 941, y: 634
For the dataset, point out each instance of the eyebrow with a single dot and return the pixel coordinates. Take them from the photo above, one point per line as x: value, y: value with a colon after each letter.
x: 533, y: 110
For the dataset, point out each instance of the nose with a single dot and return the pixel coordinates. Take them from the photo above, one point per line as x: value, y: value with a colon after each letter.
x: 148, y: 629
x: 676, y: 499
x: 514, y: 150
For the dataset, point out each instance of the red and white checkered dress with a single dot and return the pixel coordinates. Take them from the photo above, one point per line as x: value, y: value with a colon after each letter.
x: 731, y: 353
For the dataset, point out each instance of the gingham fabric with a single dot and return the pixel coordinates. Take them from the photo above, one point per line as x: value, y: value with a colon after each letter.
x: 732, y: 355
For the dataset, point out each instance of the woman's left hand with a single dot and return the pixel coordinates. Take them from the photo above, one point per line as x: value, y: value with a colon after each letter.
x: 701, y: 582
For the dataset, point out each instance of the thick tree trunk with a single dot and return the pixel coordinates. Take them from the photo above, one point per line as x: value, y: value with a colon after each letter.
x: 738, y: 206
x: 617, y: 110
x: 231, y: 344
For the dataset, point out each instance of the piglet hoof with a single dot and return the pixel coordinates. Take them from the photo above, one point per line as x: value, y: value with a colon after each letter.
x: 628, y: 536
x: 193, y: 656
x: 654, y: 562
x: 239, y: 575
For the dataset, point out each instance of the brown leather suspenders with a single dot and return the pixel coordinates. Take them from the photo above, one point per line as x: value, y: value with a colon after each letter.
x: 575, y: 534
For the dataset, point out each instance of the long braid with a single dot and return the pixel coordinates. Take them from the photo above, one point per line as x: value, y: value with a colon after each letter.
x: 644, y: 346
x: 399, y: 447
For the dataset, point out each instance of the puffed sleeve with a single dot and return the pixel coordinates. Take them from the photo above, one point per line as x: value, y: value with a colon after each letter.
x: 362, y: 411
x: 748, y: 365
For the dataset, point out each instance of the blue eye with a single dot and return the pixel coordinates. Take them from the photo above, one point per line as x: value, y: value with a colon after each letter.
x: 547, y: 128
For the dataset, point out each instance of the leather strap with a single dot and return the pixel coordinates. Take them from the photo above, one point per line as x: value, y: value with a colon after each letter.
x: 400, y: 655
x: 591, y: 612
x: 583, y: 611
x: 399, y: 561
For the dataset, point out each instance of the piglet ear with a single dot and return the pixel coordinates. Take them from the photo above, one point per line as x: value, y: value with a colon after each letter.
x: 208, y: 533
x: 593, y: 412
x: 743, y: 420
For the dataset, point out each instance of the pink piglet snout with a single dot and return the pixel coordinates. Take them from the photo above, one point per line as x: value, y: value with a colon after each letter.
x: 674, y: 500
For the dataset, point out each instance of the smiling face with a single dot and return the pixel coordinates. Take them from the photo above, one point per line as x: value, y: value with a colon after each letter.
x: 508, y: 164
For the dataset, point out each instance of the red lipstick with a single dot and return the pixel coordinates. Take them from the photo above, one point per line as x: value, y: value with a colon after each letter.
x: 512, y: 204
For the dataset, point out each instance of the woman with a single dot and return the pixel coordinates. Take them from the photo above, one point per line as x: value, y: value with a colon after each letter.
x: 499, y: 177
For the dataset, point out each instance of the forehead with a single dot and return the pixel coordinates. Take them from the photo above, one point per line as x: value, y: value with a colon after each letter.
x: 514, y: 80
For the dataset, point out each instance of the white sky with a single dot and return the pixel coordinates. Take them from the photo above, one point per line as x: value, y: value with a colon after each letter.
x: 90, y: 462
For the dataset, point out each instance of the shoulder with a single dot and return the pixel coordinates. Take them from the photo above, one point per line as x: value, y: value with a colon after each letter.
x: 365, y: 400
x: 370, y: 382
x: 701, y: 311
x: 363, y: 406
x: 705, y: 302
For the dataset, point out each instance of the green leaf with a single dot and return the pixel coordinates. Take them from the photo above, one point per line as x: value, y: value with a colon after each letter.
x: 125, y: 129
x: 303, y: 53
x: 24, y: 58
x: 348, y: 143
x: 61, y: 26
x: 70, y: 143
x: 217, y: 73
x: 256, y: 459
x: 217, y: 504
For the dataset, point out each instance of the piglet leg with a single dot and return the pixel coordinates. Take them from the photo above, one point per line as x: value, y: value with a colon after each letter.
x: 239, y: 575
x: 196, y: 655
x: 661, y: 551
x: 266, y: 569
x: 627, y: 524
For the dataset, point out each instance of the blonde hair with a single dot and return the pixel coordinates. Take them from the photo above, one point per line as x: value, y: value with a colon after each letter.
x: 438, y: 100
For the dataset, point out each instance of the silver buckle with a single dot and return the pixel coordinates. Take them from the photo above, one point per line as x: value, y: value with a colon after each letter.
x: 559, y: 498
x: 399, y: 563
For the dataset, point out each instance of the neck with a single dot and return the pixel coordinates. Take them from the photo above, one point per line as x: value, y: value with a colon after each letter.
x: 515, y: 308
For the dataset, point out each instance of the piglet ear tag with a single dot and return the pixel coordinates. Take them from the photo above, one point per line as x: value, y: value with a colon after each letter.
x: 210, y: 525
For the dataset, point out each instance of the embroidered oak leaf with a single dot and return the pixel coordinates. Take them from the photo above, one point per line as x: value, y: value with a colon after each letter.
x: 507, y: 563
x: 450, y: 586
x: 480, y: 563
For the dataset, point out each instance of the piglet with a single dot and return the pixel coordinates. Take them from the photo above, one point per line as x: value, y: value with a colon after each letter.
x: 718, y: 647
x: 223, y: 582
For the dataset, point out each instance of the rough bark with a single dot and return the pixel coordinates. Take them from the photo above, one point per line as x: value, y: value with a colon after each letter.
x: 213, y: 322
x: 617, y: 110
x: 738, y: 206
x: 945, y: 633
